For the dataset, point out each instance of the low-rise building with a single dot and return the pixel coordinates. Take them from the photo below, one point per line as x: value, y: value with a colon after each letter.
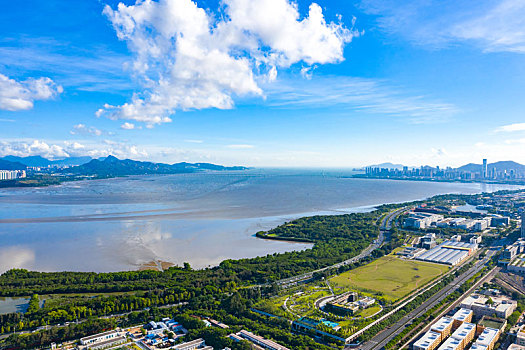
x: 517, y: 265
x: 429, y: 341
x: 443, y: 326
x: 191, y: 345
x: 257, y: 340
x: 421, y: 220
x: 488, y: 338
x: 451, y: 344
x: 462, y: 315
x: 98, y: 338
x: 500, y: 306
x: 465, y: 333
x: 520, y: 336
x: 500, y: 221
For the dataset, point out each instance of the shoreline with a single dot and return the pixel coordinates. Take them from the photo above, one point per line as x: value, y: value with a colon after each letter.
x: 433, y: 180
x: 265, y: 222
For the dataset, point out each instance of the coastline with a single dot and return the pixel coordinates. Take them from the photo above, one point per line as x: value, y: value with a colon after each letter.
x: 474, y: 181
x: 171, y: 233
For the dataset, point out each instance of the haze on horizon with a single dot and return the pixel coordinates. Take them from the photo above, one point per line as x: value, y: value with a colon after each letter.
x: 266, y: 83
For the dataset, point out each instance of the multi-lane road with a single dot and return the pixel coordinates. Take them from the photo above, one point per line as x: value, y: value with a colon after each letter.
x: 381, y: 339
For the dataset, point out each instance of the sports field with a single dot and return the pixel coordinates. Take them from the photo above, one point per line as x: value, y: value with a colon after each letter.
x: 391, y: 276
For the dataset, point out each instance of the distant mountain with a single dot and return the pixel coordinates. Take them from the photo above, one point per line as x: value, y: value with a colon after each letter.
x: 500, y: 166
x: 29, y: 161
x: 38, y: 161
x: 71, y: 161
x: 112, y: 166
x: 7, y: 165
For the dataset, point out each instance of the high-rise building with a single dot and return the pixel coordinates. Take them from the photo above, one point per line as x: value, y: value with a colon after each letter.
x: 523, y: 225
x: 484, y: 171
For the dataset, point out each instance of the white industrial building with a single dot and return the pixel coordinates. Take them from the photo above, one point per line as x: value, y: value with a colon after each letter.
x: 422, y: 220
x: 449, y: 253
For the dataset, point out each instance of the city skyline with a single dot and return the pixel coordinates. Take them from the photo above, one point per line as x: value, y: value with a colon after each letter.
x: 338, y: 85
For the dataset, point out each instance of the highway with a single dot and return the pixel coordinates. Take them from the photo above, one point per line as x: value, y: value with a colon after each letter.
x: 381, y: 339
x: 386, y: 224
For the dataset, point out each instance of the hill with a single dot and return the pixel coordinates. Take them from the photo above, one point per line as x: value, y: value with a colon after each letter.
x: 500, y: 166
x: 112, y: 166
x: 7, y: 165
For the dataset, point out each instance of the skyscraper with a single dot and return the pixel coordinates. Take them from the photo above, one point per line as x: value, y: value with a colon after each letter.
x: 484, y: 171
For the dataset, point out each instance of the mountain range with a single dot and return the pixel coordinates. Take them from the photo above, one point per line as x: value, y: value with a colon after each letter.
x: 500, y: 166
x: 110, y: 166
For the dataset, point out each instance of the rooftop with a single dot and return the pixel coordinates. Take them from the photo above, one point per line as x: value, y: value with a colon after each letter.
x: 442, y: 324
x: 427, y: 339
x: 462, y: 314
x: 95, y: 336
x: 464, y: 330
x: 487, y: 337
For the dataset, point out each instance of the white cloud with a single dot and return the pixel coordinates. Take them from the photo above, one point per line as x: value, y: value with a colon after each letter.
x: 240, y: 146
x: 187, y: 59
x: 33, y: 148
x: 16, y: 96
x: 194, y: 141
x: 501, y: 28
x: 492, y: 25
x: 127, y: 126
x: 85, y: 130
x: 511, y: 127
x: 24, y: 148
x: 359, y: 94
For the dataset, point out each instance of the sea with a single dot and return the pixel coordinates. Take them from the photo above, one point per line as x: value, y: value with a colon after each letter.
x: 203, y: 218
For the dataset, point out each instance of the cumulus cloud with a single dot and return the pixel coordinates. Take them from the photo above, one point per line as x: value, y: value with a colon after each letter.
x: 33, y: 148
x: 66, y: 149
x: 16, y: 96
x: 188, y: 59
x: 511, y: 127
x: 127, y: 126
x: 85, y: 130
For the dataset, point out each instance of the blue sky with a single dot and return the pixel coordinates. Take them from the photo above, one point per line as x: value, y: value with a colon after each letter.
x: 265, y: 83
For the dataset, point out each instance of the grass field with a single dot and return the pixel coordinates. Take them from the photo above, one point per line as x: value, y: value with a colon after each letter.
x: 390, y: 276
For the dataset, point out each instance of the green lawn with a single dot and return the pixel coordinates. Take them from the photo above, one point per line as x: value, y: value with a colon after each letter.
x: 369, y: 311
x: 390, y: 276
